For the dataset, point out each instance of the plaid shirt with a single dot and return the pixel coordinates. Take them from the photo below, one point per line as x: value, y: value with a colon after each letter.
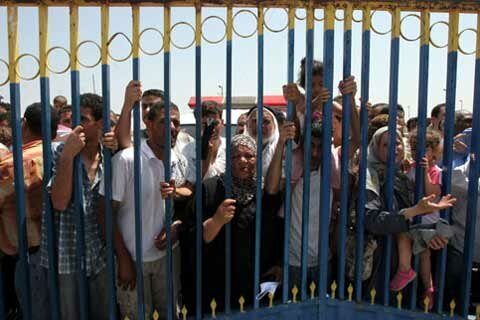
x: 66, y: 232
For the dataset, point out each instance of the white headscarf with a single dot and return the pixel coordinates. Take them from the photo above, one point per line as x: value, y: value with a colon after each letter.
x: 269, y: 144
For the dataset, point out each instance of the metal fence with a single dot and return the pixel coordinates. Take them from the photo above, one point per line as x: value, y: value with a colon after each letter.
x: 337, y: 300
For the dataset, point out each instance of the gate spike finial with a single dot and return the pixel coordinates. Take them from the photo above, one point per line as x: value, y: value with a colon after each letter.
x: 452, y: 307
x: 241, y: 301
x: 334, y: 288
x: 350, y: 292
x: 312, y: 290
x: 213, y: 306
x: 426, y: 303
x: 373, y: 293
x: 399, y: 300
x: 294, y: 293
x: 184, y: 312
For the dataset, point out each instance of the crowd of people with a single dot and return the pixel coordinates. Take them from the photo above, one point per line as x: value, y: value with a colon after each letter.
x: 417, y: 227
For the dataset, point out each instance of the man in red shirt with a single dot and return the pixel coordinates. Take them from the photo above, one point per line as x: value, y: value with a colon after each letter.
x: 33, y: 179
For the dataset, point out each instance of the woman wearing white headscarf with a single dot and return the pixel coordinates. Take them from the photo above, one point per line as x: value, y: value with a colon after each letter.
x: 270, y: 134
x: 379, y: 220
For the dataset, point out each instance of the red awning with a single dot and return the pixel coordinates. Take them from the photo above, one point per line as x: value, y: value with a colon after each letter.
x: 274, y: 101
x: 218, y: 99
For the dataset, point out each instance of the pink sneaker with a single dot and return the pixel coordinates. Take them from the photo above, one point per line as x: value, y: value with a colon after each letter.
x: 402, y: 279
x: 428, y: 293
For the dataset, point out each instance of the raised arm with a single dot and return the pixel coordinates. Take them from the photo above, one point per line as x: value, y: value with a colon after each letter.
x: 274, y: 174
x: 62, y: 184
x: 349, y: 86
x: 133, y: 93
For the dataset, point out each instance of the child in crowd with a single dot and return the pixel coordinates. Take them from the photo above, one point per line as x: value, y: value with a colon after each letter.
x: 432, y: 181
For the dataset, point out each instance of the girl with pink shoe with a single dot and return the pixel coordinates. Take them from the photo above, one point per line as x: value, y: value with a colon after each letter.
x: 380, y: 221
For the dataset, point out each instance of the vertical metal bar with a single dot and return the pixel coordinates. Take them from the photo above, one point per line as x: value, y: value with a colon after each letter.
x: 471, y: 221
x: 167, y: 162
x: 198, y: 164
x: 344, y: 178
x: 448, y: 144
x: 137, y: 169
x: 392, y: 130
x: 258, y: 215
x: 78, y: 168
x: 228, y: 173
x: 307, y: 146
x: 328, y: 56
x: 47, y: 161
x: 18, y: 161
x: 107, y: 155
x: 362, y: 174
x: 422, y: 129
x: 288, y: 164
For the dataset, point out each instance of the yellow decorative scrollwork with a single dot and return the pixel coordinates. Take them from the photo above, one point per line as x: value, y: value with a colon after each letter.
x: 301, y: 18
x: 460, y: 47
x: 182, y: 23
x: 115, y: 35
x: 354, y: 19
x: 224, y: 34
x: 273, y: 29
x: 88, y: 66
x: 402, y: 34
x: 431, y: 39
x: 6, y: 79
x: 156, y: 315
x: 246, y: 12
x: 382, y: 33
x: 150, y: 53
x: 20, y: 57
x: 48, y: 62
x: 315, y: 16
x: 337, y: 18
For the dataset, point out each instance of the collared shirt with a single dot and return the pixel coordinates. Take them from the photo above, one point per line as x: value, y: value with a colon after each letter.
x: 33, y: 179
x: 66, y: 230
x: 215, y: 169
x: 153, y: 206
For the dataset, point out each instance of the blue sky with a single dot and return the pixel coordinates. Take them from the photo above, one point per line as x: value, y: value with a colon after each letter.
x: 244, y: 55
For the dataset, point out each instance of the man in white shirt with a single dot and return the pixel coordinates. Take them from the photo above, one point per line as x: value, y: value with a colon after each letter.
x: 154, y: 191
x: 213, y: 147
